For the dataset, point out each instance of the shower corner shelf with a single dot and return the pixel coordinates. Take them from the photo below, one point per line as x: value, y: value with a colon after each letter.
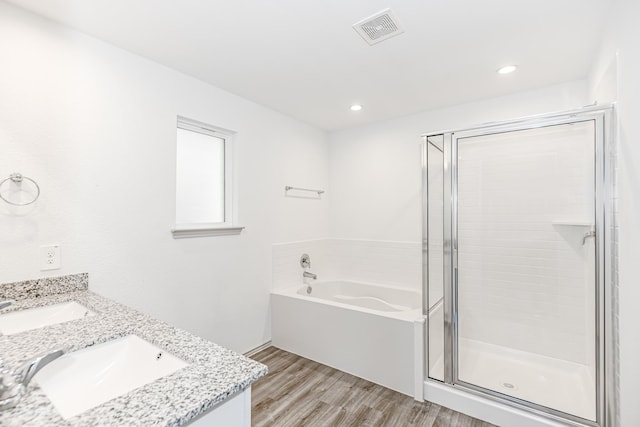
x: 573, y: 223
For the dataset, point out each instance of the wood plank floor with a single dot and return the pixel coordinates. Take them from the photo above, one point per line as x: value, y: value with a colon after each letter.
x: 300, y: 392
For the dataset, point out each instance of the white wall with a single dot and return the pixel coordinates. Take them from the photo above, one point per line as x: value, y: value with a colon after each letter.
x: 615, y: 76
x: 96, y: 127
x: 374, y: 170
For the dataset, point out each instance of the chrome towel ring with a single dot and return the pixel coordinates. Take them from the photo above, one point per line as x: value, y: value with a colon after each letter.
x: 18, y: 178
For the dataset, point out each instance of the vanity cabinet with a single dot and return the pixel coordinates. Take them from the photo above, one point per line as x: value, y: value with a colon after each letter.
x: 233, y: 412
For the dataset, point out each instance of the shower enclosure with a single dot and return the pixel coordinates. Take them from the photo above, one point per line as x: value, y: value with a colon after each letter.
x: 516, y: 246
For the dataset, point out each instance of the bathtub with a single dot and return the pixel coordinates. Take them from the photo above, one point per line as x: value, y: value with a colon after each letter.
x: 366, y: 330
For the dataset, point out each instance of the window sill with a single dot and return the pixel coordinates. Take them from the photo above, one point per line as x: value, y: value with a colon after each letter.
x: 204, y: 230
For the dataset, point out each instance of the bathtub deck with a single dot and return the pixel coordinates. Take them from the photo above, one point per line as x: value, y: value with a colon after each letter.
x: 300, y: 392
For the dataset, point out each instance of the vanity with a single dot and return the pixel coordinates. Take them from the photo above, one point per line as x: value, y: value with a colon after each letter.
x: 97, y: 362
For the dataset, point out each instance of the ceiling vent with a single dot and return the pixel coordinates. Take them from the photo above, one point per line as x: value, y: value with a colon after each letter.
x: 376, y: 28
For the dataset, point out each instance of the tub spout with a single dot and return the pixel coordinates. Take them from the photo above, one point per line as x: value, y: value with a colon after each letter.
x: 309, y: 275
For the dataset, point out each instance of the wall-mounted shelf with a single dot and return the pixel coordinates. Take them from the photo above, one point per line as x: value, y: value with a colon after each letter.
x: 573, y: 223
x: 590, y: 232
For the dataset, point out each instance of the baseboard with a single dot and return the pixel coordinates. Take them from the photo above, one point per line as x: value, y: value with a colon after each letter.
x: 258, y: 349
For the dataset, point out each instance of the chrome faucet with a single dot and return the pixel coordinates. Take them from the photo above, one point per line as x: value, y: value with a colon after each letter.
x: 309, y: 275
x: 13, y: 384
x: 590, y: 233
x: 305, y: 263
x: 5, y: 304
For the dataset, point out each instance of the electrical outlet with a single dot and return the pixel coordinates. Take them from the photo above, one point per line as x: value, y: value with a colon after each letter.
x: 49, y: 257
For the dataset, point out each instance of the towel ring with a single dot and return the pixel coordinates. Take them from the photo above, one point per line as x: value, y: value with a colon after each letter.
x: 17, y: 178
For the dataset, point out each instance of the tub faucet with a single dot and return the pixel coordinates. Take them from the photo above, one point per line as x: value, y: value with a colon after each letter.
x: 5, y: 304
x: 305, y: 263
x: 309, y: 275
x: 13, y: 384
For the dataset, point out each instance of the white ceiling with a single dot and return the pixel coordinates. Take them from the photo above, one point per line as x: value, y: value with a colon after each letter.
x: 302, y: 58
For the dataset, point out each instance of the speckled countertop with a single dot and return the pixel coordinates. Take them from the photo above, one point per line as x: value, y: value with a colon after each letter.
x: 214, y: 373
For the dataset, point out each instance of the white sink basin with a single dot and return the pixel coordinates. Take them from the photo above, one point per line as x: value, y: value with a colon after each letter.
x: 33, y: 318
x: 86, y: 378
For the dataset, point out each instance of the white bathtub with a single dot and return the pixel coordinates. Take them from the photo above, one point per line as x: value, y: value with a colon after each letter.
x: 373, y: 297
x: 363, y: 329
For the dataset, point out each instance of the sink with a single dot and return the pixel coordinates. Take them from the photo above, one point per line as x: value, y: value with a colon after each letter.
x: 33, y: 318
x: 86, y: 378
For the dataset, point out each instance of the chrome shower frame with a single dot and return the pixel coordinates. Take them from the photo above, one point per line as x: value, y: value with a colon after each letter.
x: 604, y: 120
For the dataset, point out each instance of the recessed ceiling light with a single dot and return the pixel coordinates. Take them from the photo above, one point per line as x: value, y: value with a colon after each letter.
x: 356, y: 107
x: 507, y: 69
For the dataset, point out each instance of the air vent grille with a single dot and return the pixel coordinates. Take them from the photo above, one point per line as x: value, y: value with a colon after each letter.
x: 378, y: 27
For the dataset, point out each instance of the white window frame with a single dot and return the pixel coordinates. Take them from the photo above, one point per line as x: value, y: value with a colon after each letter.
x: 229, y: 226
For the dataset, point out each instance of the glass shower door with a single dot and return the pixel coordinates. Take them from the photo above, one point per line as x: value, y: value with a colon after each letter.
x: 434, y: 303
x: 524, y: 287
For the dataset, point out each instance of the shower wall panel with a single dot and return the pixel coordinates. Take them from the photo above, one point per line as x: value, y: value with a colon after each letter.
x: 526, y: 200
x: 397, y: 264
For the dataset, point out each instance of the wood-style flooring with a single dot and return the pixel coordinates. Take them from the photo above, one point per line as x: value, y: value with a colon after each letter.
x: 300, y: 392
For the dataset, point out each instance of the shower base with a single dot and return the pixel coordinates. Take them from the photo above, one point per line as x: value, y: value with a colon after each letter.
x: 564, y: 386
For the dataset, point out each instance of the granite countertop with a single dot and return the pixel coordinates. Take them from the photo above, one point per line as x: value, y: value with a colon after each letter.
x: 214, y: 373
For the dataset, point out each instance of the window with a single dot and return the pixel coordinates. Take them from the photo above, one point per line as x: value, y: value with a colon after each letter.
x: 203, y: 181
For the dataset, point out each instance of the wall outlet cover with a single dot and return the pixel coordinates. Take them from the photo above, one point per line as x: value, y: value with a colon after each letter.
x: 50, y: 257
